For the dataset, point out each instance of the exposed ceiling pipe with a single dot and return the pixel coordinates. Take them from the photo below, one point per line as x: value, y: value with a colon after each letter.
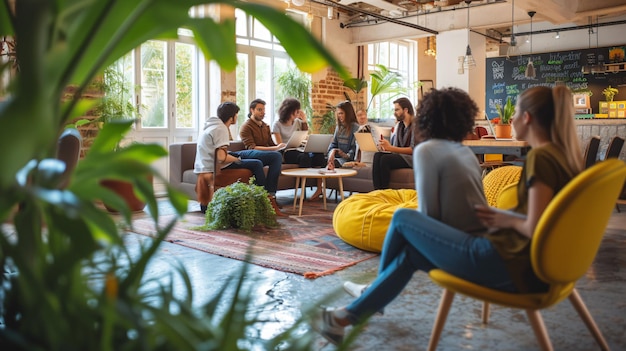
x: 399, y: 20
x: 377, y: 16
x: 564, y: 29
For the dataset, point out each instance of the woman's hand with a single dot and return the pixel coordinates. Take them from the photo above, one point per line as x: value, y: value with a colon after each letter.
x: 494, y: 218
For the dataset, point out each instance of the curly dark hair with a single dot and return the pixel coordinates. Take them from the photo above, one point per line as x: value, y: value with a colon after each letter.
x: 287, y: 108
x: 446, y: 113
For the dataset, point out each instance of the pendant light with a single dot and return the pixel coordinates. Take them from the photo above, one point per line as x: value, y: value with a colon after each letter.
x: 512, y: 49
x: 599, y: 66
x: 468, y: 60
x: 586, y: 69
x: 430, y: 50
x: 530, y: 68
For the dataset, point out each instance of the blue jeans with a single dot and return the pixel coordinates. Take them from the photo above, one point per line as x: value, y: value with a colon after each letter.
x: 414, y: 242
x: 255, y: 166
x: 272, y: 159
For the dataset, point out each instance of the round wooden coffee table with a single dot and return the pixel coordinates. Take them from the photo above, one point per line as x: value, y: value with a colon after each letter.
x: 302, y: 174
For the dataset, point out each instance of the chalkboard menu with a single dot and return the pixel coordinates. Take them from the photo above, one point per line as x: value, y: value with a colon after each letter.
x: 505, y: 76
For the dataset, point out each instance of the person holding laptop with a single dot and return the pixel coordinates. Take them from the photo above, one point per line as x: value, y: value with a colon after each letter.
x: 292, y: 119
x: 259, y: 144
x: 397, y: 152
x: 343, y: 146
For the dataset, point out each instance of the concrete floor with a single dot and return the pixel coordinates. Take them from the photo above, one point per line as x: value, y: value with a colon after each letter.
x: 407, y: 322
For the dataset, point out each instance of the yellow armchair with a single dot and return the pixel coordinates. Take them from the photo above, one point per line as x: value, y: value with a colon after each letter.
x: 564, y: 245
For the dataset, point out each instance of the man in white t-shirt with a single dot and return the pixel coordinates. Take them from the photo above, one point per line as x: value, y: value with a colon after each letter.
x: 217, y: 136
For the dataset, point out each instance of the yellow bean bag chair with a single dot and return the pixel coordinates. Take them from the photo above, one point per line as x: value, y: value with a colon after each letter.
x: 362, y: 219
x: 499, y: 178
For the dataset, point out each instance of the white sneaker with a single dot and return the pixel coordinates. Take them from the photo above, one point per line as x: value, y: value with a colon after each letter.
x: 327, y: 327
x: 357, y: 290
x: 354, y: 289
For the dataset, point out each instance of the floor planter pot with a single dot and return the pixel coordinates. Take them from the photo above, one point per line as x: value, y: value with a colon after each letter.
x: 503, y: 131
x: 125, y: 190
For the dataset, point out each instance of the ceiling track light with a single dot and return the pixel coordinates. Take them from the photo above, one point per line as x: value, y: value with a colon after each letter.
x: 530, y: 68
x: 557, y: 36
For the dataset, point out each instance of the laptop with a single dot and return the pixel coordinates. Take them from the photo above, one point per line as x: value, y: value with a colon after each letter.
x: 296, y: 139
x: 366, y: 142
x: 317, y: 143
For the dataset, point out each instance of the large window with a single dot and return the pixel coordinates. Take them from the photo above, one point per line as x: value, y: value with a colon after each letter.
x: 167, y: 72
x: 399, y: 56
x: 261, y: 59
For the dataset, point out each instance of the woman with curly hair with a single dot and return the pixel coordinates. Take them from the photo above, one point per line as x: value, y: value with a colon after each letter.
x: 442, y: 232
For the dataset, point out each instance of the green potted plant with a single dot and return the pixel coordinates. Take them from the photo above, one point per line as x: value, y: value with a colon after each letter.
x: 240, y: 205
x: 69, y: 283
x: 383, y: 81
x: 502, y: 122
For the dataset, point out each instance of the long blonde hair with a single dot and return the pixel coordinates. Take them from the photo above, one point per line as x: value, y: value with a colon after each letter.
x: 554, y: 110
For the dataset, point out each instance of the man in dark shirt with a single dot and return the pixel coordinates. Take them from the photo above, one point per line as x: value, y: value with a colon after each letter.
x: 399, y: 149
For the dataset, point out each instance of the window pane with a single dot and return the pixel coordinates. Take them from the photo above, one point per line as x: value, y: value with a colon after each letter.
x: 281, y: 65
x: 383, y: 54
x: 242, y: 87
x: 393, y: 56
x: 241, y: 26
x: 260, y: 32
x: 153, y: 83
x: 263, y: 89
x: 184, y: 85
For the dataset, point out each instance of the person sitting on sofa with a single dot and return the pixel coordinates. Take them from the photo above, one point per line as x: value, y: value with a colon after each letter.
x: 343, y: 146
x: 397, y: 152
x: 291, y: 118
x: 257, y: 139
x: 361, y: 119
x: 217, y: 136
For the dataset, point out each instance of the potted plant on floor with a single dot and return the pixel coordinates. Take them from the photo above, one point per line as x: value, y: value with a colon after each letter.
x: 69, y: 283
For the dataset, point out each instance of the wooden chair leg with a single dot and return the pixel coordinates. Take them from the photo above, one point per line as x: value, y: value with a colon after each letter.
x: 485, y: 312
x: 440, y: 321
x: 540, y: 329
x: 584, y: 314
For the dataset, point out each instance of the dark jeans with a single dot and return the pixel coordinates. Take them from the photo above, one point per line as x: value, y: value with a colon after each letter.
x: 382, y: 164
x: 304, y: 159
x: 273, y: 159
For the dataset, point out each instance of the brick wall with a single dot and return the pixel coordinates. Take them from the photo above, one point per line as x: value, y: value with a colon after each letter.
x: 330, y: 90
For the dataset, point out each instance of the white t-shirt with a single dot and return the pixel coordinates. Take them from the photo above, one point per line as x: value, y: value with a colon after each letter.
x: 214, y: 135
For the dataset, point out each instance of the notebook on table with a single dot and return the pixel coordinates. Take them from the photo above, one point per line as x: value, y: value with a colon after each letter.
x: 317, y: 143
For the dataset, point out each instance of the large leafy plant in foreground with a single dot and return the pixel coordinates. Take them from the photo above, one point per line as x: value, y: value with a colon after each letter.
x: 67, y: 282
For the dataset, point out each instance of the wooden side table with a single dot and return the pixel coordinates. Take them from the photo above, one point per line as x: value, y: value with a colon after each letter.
x: 302, y: 174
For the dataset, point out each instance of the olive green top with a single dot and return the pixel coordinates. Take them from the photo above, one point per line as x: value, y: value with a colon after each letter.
x: 548, y: 165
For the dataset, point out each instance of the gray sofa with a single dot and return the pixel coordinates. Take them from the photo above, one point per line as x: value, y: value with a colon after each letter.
x: 182, y: 157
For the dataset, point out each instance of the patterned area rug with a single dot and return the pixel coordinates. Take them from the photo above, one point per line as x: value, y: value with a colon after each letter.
x: 304, y: 245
